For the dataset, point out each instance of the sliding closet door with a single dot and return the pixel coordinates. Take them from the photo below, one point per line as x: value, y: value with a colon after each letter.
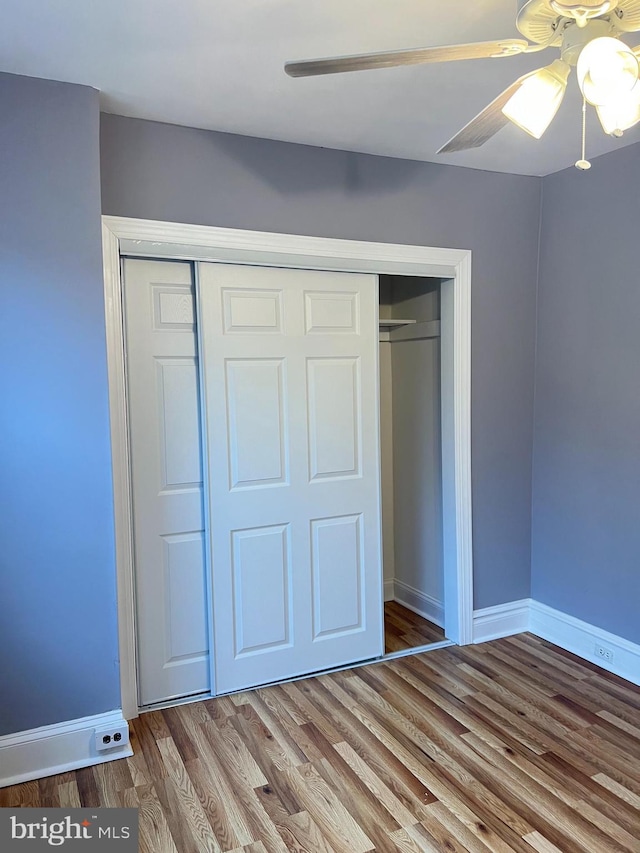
x: 290, y: 397
x: 166, y: 469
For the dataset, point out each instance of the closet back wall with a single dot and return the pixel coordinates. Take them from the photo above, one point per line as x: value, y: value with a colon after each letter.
x: 411, y: 447
x: 164, y: 172
x: 417, y: 447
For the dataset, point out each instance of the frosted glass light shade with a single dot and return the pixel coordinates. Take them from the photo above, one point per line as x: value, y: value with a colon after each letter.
x: 621, y: 114
x: 607, y: 69
x: 533, y: 106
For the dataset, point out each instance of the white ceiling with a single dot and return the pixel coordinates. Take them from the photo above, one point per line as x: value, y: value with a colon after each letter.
x: 218, y: 64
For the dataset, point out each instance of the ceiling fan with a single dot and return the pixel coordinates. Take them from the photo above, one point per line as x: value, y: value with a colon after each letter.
x: 586, y: 34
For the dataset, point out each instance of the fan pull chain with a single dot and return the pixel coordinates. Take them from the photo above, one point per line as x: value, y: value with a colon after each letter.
x: 583, y: 163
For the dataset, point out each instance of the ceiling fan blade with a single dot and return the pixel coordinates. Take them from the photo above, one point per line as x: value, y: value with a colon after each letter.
x: 486, y: 124
x: 627, y: 16
x: 416, y: 56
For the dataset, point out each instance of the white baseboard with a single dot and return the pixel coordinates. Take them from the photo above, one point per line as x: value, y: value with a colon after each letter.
x: 388, y: 591
x: 566, y: 631
x: 424, y: 605
x: 581, y: 638
x: 57, y: 749
x: 503, y: 620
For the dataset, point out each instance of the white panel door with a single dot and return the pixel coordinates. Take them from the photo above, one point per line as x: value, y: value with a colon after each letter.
x: 291, y: 430
x: 166, y: 461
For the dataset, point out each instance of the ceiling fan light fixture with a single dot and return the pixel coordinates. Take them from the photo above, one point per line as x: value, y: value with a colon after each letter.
x: 607, y: 70
x: 533, y: 106
x: 621, y: 114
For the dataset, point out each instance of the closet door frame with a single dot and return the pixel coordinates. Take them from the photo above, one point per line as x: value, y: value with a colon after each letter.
x: 166, y: 240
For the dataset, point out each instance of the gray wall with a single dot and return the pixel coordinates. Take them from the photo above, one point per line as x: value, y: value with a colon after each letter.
x: 164, y: 172
x: 586, y: 489
x: 57, y: 582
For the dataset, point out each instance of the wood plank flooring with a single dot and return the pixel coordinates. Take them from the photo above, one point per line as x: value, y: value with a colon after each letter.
x: 513, y: 745
x: 404, y: 629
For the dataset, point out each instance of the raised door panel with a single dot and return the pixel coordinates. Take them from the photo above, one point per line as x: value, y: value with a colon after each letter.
x: 334, y: 418
x: 178, y: 423
x: 261, y: 565
x: 185, y: 631
x: 256, y: 422
x: 337, y: 561
x: 173, y: 307
x: 252, y: 311
x: 332, y: 312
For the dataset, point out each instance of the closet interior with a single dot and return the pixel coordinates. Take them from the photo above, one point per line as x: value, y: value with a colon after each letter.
x: 411, y: 465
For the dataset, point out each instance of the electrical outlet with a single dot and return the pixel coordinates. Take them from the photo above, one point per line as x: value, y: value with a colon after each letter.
x: 604, y: 653
x: 110, y: 737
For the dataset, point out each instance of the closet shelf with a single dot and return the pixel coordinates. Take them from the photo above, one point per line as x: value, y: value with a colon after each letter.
x: 393, y: 323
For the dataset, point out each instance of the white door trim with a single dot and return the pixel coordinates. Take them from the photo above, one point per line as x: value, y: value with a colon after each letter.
x: 148, y: 238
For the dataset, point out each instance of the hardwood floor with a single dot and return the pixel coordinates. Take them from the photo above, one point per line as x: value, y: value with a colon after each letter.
x: 404, y: 629
x: 513, y: 745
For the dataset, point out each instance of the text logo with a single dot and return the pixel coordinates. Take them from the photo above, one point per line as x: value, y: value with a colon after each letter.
x: 101, y: 829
